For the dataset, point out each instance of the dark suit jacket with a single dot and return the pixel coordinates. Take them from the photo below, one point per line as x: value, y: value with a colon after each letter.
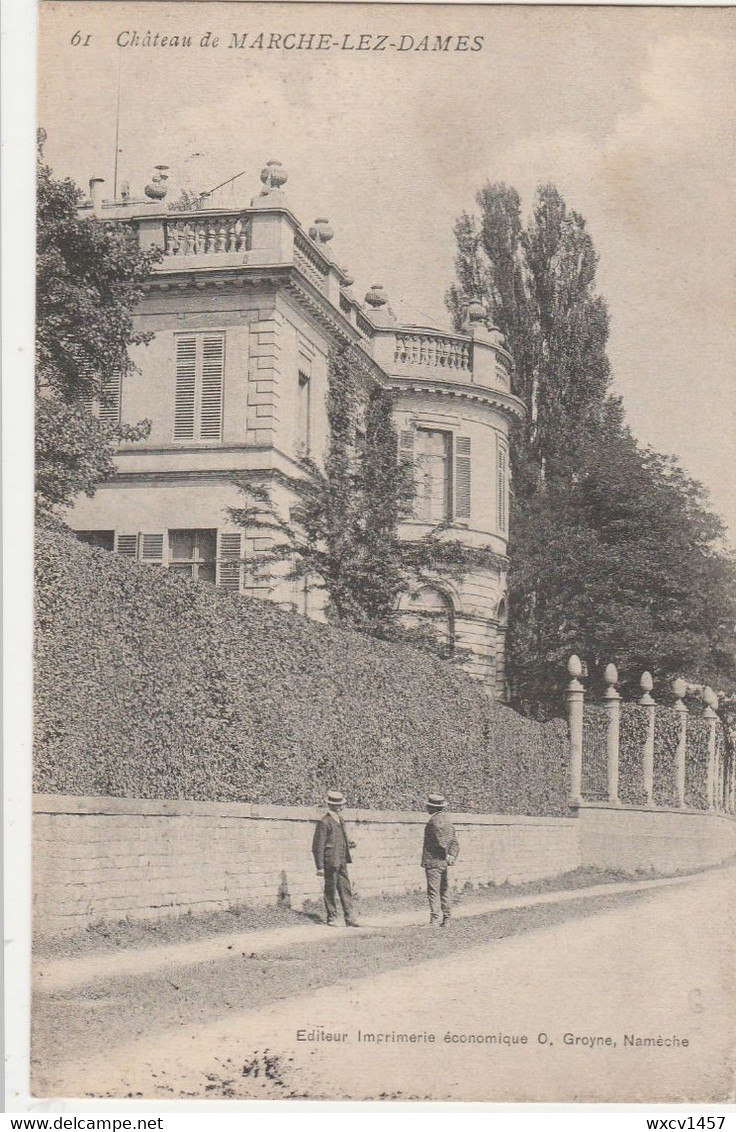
x: 330, y: 843
x: 440, y: 842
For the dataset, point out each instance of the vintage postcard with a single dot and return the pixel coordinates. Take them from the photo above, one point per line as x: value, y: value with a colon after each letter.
x: 385, y: 614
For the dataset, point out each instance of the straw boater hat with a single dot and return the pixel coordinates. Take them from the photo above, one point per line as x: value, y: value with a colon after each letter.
x: 335, y: 798
x: 436, y: 802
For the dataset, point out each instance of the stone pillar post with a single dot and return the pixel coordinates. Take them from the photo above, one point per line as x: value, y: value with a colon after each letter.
x: 612, y: 703
x: 679, y: 687
x: 711, y: 789
x: 575, y: 698
x: 646, y: 683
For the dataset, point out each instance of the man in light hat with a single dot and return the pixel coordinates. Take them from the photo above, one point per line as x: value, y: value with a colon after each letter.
x: 331, y: 849
x: 440, y: 850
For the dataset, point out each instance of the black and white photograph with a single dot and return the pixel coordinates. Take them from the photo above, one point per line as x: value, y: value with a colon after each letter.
x: 384, y: 647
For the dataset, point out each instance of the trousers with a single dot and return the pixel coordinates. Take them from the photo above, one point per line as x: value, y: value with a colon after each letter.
x: 338, y: 881
x: 437, y: 893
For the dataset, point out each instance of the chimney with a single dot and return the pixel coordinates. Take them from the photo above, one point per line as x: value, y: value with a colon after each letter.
x: 95, y: 194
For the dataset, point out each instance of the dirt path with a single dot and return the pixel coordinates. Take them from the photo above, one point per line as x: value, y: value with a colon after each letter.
x: 648, y: 964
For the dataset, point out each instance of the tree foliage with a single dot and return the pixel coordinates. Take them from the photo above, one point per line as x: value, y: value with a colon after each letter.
x: 341, y: 536
x: 88, y: 281
x: 615, y: 554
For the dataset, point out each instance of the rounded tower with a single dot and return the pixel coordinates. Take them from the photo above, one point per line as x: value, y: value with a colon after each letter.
x: 454, y: 407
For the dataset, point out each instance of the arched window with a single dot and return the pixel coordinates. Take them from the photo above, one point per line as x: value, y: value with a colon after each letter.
x: 429, y: 610
x: 502, y: 612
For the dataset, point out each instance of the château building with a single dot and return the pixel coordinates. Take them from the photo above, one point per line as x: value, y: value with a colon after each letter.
x: 244, y: 307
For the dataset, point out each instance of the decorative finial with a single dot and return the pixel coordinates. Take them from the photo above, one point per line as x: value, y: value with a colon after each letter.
x: 376, y: 297
x: 476, y: 311
x: 157, y: 188
x: 348, y: 277
x: 321, y: 231
x: 710, y: 697
x: 574, y: 666
x: 273, y: 176
x: 679, y: 687
x: 611, y: 675
x: 125, y: 191
x: 646, y: 684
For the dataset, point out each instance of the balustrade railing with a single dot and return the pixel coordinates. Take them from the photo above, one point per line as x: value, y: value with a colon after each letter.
x: 226, y: 234
x: 431, y: 350
x: 645, y: 753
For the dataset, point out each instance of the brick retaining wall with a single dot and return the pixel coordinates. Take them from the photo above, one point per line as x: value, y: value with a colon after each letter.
x: 112, y: 858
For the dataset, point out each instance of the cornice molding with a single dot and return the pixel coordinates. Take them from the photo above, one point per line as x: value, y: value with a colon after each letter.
x: 506, y: 403
x: 274, y: 277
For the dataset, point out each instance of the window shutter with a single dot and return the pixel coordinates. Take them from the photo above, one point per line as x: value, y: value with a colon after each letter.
x: 406, y: 444
x: 213, y: 366
x: 186, y: 380
x: 127, y: 545
x: 152, y: 549
x: 462, y: 477
x: 229, y: 561
x: 502, y: 488
x: 110, y: 401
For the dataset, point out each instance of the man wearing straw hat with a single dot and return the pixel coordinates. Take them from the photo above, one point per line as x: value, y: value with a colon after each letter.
x: 331, y: 849
x: 440, y: 850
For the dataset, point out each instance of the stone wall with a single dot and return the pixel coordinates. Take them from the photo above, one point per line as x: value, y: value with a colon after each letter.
x: 114, y: 858
x: 643, y: 839
x: 111, y: 858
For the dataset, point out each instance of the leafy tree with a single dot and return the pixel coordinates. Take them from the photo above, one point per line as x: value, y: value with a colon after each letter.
x: 341, y: 536
x: 88, y: 280
x: 614, y: 552
x: 187, y: 201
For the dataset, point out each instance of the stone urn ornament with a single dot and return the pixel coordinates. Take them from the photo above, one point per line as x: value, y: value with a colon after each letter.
x: 273, y: 176
x: 321, y: 231
x: 157, y: 187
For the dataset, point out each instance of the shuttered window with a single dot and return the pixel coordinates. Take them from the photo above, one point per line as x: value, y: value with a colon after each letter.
x: 127, y: 545
x: 406, y: 444
x: 147, y: 548
x: 229, y: 561
x: 193, y: 553
x: 502, y: 488
x: 433, y: 475
x: 151, y: 548
x: 200, y: 367
x: 110, y: 399
x: 462, y: 477
x: 107, y: 407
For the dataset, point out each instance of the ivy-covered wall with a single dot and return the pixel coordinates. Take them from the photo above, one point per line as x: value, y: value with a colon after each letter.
x: 150, y: 686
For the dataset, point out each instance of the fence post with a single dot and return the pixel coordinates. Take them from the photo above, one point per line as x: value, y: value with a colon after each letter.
x: 710, y: 716
x: 679, y: 687
x: 646, y: 684
x: 575, y: 698
x: 612, y: 703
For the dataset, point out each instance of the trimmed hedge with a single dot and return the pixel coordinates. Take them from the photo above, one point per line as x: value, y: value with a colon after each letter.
x: 151, y: 686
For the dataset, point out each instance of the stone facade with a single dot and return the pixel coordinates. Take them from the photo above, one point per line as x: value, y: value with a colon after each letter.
x: 244, y: 308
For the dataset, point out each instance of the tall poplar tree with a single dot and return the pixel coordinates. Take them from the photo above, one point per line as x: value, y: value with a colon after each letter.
x: 614, y: 552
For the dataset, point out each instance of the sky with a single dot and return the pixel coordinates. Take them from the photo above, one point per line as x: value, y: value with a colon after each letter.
x: 631, y: 112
